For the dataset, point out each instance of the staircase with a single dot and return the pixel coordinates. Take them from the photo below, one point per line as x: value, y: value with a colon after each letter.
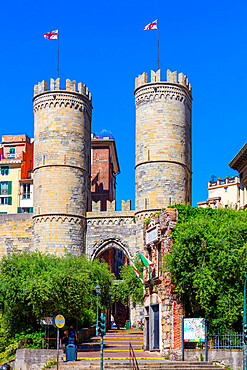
x: 116, y: 355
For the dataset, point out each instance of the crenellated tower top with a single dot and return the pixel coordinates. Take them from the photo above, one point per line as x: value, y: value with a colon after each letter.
x: 55, y: 86
x: 172, y: 78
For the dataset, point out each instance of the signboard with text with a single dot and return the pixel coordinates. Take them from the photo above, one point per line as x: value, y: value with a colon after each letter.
x: 194, y: 330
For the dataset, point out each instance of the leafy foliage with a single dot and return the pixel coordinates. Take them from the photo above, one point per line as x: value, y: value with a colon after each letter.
x: 36, y: 285
x: 208, y: 264
x: 130, y: 285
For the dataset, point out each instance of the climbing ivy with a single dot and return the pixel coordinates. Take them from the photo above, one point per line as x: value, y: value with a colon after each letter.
x: 208, y: 264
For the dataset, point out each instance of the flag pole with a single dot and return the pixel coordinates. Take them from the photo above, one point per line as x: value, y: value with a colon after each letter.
x: 152, y: 280
x: 58, y: 54
x: 158, y: 44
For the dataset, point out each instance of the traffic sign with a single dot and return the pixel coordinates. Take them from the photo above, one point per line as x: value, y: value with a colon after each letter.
x: 58, y: 321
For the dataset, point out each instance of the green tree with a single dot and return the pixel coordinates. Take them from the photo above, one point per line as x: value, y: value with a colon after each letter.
x: 36, y: 285
x: 208, y: 264
x: 130, y: 285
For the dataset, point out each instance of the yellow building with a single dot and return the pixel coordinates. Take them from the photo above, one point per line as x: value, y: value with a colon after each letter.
x: 223, y: 193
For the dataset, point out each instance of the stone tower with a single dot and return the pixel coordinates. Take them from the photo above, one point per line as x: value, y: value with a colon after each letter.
x: 62, y: 166
x: 163, y: 142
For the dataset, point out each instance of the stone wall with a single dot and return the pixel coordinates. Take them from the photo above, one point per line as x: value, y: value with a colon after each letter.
x: 16, y: 233
x: 222, y: 357
x: 35, y: 359
x: 110, y: 228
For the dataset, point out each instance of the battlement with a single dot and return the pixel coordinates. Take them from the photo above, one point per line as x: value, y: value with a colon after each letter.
x: 111, y: 209
x: 55, y: 86
x: 171, y: 77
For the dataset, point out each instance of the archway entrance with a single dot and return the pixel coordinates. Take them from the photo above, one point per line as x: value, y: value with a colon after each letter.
x: 116, y: 256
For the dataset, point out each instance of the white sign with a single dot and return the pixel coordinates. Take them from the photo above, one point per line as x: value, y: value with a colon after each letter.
x: 194, y: 330
x: 152, y: 235
x: 46, y: 321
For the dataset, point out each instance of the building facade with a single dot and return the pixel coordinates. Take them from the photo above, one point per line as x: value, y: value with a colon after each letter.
x: 104, y: 168
x: 239, y: 163
x: 16, y: 162
x: 163, y: 308
x: 223, y: 193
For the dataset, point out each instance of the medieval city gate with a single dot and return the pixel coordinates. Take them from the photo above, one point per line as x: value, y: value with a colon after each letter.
x: 116, y: 255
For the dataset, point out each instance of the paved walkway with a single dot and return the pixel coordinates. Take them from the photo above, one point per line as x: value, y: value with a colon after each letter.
x: 116, y: 346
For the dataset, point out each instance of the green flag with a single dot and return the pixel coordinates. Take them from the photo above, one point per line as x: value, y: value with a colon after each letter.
x: 145, y: 261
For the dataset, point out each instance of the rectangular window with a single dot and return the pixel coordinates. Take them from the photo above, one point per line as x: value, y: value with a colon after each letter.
x: 225, y: 190
x: 12, y: 150
x: 4, y: 188
x: 26, y: 191
x: 159, y: 267
x: 25, y: 210
x: 4, y: 170
x: 4, y: 200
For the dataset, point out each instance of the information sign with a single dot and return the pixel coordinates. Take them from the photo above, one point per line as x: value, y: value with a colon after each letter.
x: 46, y: 321
x: 58, y: 321
x: 194, y: 330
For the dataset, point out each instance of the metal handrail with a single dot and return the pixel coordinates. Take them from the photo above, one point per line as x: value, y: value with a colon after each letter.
x: 133, y: 360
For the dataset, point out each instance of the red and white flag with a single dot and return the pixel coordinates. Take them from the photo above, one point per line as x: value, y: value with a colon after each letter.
x: 152, y: 26
x: 51, y: 35
x: 137, y: 273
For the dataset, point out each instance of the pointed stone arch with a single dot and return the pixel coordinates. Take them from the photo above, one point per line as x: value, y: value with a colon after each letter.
x: 104, y: 244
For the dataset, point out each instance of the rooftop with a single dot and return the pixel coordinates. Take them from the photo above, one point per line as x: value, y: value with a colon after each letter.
x: 240, y: 159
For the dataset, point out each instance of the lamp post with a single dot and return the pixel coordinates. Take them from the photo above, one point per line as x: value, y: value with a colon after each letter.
x: 110, y: 294
x: 97, y: 323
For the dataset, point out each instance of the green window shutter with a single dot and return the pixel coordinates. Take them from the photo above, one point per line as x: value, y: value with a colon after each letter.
x: 19, y: 210
x: 31, y: 209
x: 9, y: 200
x: 10, y: 187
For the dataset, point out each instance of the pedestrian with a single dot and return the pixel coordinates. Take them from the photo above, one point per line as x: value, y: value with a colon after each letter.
x: 65, y: 339
x: 72, y: 335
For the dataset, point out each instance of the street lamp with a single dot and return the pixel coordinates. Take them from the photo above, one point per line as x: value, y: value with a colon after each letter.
x: 97, y: 323
x: 110, y: 294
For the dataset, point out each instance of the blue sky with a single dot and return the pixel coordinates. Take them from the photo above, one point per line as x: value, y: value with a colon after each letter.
x: 102, y: 44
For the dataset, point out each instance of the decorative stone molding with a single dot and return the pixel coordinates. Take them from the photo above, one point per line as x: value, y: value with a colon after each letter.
x: 162, y: 91
x: 142, y: 215
x: 165, y: 161
x: 56, y: 218
x: 110, y: 221
x: 70, y: 99
x: 103, y: 244
x: 63, y: 165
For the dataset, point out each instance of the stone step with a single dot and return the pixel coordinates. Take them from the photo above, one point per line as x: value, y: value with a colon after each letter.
x: 143, y: 365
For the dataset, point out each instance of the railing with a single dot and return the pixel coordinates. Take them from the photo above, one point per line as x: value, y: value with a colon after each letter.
x: 38, y: 342
x: 133, y: 361
x: 226, y: 341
